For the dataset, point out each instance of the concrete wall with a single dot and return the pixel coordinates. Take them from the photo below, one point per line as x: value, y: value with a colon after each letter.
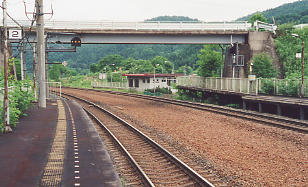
x: 258, y: 42
x: 263, y: 42
x: 240, y: 71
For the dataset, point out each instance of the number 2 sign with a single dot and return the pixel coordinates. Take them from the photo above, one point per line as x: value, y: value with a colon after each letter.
x: 15, y: 34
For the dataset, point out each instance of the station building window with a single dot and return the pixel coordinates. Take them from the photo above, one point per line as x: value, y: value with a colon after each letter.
x: 136, y: 83
x: 130, y: 83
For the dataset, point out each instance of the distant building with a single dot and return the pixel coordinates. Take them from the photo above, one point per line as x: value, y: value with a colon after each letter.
x: 300, y: 26
x: 141, y: 82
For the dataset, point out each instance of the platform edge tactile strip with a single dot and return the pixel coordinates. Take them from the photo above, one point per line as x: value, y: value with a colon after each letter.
x: 53, y: 170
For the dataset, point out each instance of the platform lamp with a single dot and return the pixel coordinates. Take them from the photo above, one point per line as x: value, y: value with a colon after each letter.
x: 302, y: 56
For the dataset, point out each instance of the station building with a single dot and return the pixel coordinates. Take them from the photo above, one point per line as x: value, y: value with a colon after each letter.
x: 141, y: 82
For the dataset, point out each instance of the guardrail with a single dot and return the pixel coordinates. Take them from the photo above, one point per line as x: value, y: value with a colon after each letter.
x: 279, y: 87
x: 53, y: 90
x: 147, y: 25
x: 266, y: 26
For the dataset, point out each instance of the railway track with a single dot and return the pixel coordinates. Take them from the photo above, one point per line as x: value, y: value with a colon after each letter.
x: 155, y: 165
x: 268, y: 119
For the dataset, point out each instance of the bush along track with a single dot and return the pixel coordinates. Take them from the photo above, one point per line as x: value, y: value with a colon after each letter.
x: 20, y: 98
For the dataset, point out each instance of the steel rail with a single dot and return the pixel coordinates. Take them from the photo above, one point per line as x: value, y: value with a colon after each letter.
x: 189, y: 171
x: 273, y: 120
x: 145, y: 178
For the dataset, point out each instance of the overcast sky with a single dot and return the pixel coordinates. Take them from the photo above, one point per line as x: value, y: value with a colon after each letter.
x: 139, y: 10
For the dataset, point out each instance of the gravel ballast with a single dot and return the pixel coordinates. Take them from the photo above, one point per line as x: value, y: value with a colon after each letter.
x: 255, y: 153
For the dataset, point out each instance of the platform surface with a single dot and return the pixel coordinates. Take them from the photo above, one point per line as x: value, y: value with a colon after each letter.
x: 277, y: 99
x: 25, y: 153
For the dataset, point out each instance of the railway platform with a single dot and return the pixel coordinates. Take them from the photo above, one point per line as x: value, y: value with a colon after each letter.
x: 56, y: 146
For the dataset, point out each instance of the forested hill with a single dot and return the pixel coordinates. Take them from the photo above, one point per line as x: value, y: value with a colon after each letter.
x: 296, y: 13
x: 172, y: 18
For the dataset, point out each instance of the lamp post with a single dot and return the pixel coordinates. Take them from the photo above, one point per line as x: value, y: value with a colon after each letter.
x: 302, y: 84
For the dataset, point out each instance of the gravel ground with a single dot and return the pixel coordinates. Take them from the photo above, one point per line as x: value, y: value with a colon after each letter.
x: 257, y: 154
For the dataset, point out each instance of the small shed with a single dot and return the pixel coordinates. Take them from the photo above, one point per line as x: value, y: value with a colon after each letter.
x: 141, y: 82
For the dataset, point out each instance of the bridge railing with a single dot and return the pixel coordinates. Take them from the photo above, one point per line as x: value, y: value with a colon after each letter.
x: 147, y: 25
x: 279, y: 87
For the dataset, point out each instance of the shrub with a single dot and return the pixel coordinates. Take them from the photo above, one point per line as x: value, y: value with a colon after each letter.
x: 19, y: 99
x: 289, y: 88
x: 268, y: 87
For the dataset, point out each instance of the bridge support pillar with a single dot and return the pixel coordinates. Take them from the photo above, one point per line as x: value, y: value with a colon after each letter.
x: 244, y: 105
x: 278, y: 109
x: 301, y: 113
x: 203, y: 96
x: 260, y: 107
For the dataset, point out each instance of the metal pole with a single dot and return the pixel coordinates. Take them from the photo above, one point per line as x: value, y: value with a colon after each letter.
x: 154, y: 81
x: 41, y: 53
x: 6, y: 66
x: 34, y: 71
x: 111, y: 81
x: 22, y: 60
x: 222, y: 61
x: 302, y: 86
x: 46, y: 74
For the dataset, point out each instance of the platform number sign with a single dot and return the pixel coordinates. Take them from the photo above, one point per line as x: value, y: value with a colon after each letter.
x: 15, y: 34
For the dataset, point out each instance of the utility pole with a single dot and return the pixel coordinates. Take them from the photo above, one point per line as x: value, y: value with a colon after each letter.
x: 41, y: 53
x: 302, y: 85
x: 6, y: 65
x: 34, y: 71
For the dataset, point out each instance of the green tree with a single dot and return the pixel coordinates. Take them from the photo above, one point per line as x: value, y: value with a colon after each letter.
x: 257, y: 16
x: 142, y: 66
x: 287, y: 47
x: 209, y: 61
x: 263, y: 66
x: 186, y: 70
x: 57, y: 71
x: 113, y: 62
x: 94, y: 68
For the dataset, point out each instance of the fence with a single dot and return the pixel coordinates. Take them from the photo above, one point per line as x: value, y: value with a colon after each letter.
x: 104, y: 84
x: 53, y: 90
x: 281, y: 87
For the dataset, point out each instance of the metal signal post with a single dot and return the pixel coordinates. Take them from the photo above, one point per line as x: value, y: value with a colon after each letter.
x: 6, y: 105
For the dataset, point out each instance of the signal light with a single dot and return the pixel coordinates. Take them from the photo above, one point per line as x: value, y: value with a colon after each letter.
x: 76, y: 41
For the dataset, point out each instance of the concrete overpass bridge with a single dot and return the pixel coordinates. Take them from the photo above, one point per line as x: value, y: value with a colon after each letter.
x: 109, y: 32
